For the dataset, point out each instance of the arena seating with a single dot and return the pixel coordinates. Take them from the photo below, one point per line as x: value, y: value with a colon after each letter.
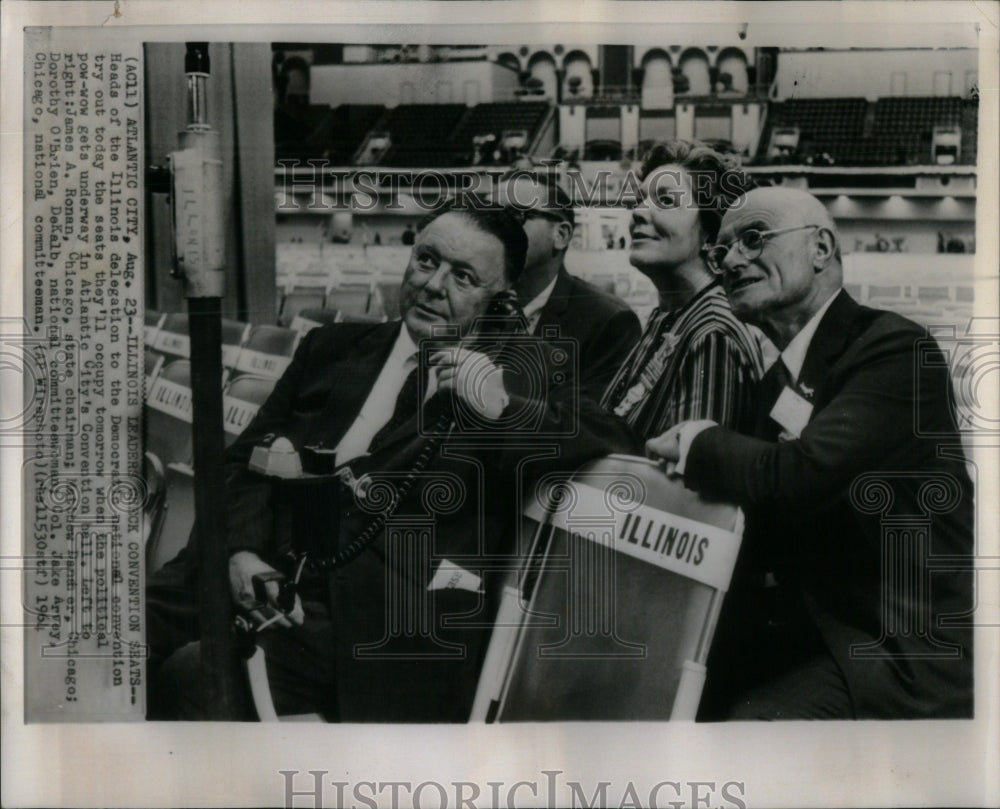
x: 889, y: 132
x: 495, y: 118
x: 351, y: 124
x: 417, y: 130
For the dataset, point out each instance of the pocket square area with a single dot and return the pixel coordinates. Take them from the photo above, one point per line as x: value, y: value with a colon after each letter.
x: 450, y: 576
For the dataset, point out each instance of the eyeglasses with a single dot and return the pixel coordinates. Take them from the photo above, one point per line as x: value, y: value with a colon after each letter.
x: 750, y: 244
x: 522, y: 215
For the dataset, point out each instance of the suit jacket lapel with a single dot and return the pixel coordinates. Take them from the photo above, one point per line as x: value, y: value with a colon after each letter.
x: 557, y: 303
x: 831, y: 338
x: 352, y: 378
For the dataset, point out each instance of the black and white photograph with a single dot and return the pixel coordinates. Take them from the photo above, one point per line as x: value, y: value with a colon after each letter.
x: 500, y: 403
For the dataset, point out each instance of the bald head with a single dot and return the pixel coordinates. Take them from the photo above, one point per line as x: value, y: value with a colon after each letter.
x: 797, y: 267
x: 792, y: 205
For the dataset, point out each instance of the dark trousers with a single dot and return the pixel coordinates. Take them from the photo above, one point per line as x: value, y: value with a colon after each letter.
x: 300, y: 671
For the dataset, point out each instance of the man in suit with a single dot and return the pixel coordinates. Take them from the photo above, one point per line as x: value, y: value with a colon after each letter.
x: 400, y: 553
x: 853, y: 480
x: 603, y: 326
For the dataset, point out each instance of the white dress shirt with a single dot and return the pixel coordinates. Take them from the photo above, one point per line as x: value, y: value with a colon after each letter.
x: 381, y: 402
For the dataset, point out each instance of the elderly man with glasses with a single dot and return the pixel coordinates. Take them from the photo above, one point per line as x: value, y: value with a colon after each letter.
x: 604, y: 327
x: 853, y: 590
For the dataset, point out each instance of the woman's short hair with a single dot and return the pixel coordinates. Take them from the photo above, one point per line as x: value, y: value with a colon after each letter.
x: 716, y: 178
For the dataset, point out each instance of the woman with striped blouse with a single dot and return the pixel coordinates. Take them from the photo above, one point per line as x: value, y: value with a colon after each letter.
x: 695, y: 360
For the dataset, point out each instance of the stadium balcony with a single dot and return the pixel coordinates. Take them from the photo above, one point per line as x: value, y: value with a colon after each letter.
x: 496, y: 118
x: 417, y: 132
x: 854, y: 132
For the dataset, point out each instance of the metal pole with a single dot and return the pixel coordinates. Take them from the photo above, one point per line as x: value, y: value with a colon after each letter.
x: 196, y: 209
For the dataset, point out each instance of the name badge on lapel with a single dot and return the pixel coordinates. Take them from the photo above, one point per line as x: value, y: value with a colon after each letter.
x: 792, y: 412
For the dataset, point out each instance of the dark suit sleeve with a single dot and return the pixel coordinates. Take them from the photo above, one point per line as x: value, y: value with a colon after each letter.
x: 248, y: 517
x: 558, y: 413
x: 606, y: 350
x: 867, y: 424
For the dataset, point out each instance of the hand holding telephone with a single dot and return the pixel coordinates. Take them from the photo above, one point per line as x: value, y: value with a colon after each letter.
x: 263, y: 593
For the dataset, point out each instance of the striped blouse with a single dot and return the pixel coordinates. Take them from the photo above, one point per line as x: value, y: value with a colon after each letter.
x: 697, y: 362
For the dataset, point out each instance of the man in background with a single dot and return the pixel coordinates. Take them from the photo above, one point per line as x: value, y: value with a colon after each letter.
x: 604, y: 327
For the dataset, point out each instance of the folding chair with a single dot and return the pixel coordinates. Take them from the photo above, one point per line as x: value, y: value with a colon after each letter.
x: 172, y: 338
x: 309, y: 319
x: 178, y: 520
x: 234, y: 335
x: 153, y: 364
x: 267, y: 351
x: 168, y: 413
x: 614, y: 617
x: 241, y: 400
x: 153, y: 321
x: 389, y: 298
x: 298, y: 299
x: 350, y: 299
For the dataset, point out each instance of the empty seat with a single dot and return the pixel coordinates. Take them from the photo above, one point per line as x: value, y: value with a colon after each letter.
x: 234, y: 334
x: 178, y: 520
x: 388, y: 294
x: 267, y: 351
x: 309, y: 319
x: 241, y: 400
x: 151, y: 325
x: 168, y: 413
x: 354, y: 299
x: 172, y: 338
x: 301, y: 297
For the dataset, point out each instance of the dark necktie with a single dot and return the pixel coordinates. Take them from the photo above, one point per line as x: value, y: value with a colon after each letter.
x: 406, y: 408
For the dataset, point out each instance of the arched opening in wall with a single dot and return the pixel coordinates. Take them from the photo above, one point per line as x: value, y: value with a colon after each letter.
x: 694, y: 67
x: 509, y: 60
x: 543, y: 68
x: 579, y: 80
x: 733, y: 71
x: 657, y: 80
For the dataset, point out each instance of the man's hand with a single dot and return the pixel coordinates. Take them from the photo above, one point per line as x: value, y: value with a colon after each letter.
x: 671, y: 448
x: 473, y: 377
x: 243, y: 566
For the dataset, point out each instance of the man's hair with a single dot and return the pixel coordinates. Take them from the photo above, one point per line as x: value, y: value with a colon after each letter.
x: 716, y: 179
x: 491, y: 218
x: 553, y: 197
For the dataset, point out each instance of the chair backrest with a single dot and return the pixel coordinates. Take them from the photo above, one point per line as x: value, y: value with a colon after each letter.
x: 298, y: 299
x: 353, y: 299
x: 151, y: 326
x: 168, y: 413
x: 389, y: 298
x: 172, y: 337
x: 175, y: 531
x: 153, y: 364
x: 309, y: 319
x: 267, y: 351
x: 617, y: 621
x: 234, y: 335
x: 241, y: 400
